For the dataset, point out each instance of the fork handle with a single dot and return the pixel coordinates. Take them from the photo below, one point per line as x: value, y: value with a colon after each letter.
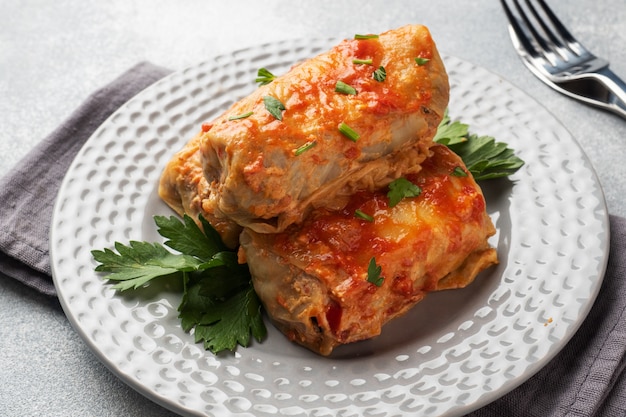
x: 616, y: 91
x: 602, y: 89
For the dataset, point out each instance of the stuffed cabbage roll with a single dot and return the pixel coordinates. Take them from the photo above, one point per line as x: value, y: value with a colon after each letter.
x: 185, y: 189
x: 360, y: 135
x: 320, y: 281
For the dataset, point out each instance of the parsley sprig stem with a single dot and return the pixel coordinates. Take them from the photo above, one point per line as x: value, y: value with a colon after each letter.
x: 302, y: 149
x: 348, y: 132
x: 365, y: 37
x: 344, y: 88
x: 264, y: 76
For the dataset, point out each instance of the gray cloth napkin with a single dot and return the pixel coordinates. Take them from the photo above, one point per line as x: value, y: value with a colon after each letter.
x: 587, y: 378
x: 27, y: 193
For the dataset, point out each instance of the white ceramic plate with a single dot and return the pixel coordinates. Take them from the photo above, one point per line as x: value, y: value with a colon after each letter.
x: 454, y: 352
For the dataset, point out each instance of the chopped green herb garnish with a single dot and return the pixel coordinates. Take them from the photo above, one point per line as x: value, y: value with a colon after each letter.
x: 264, y: 76
x: 274, y: 106
x: 344, y: 88
x: 483, y: 156
x: 459, y: 172
x: 380, y: 74
x: 362, y: 61
x: 421, y: 61
x: 304, y: 148
x: 402, y: 188
x: 241, y: 116
x: 218, y: 303
x: 364, y: 37
x: 361, y: 215
x: 373, y: 273
x: 349, y: 132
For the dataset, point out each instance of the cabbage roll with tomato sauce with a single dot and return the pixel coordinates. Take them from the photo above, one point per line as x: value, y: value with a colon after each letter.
x: 255, y: 173
x: 313, y: 278
x: 185, y: 189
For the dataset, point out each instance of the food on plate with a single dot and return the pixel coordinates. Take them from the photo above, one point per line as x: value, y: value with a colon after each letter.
x: 363, y: 130
x: 316, y: 280
x: 282, y: 171
x: 335, y: 196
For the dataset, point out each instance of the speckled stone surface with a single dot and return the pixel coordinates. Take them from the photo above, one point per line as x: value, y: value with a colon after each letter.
x: 53, y: 55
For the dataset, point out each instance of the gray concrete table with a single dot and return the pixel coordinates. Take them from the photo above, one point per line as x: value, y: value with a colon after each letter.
x: 53, y: 54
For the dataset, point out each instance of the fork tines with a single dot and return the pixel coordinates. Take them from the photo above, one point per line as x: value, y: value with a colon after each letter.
x: 556, y: 58
x: 541, y: 34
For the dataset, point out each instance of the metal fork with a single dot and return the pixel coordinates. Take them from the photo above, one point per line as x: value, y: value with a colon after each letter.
x: 559, y: 60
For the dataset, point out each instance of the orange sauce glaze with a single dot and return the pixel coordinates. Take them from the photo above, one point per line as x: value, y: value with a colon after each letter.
x: 349, y: 236
x: 338, y: 239
x: 376, y: 98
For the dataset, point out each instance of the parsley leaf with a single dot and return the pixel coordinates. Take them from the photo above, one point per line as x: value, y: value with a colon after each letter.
x: 139, y: 262
x: 380, y: 74
x: 487, y: 159
x: 220, y: 329
x: 373, y: 273
x: 449, y: 133
x: 402, y: 188
x: 483, y: 156
x: 188, y: 238
x: 219, y: 303
x: 274, y: 106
